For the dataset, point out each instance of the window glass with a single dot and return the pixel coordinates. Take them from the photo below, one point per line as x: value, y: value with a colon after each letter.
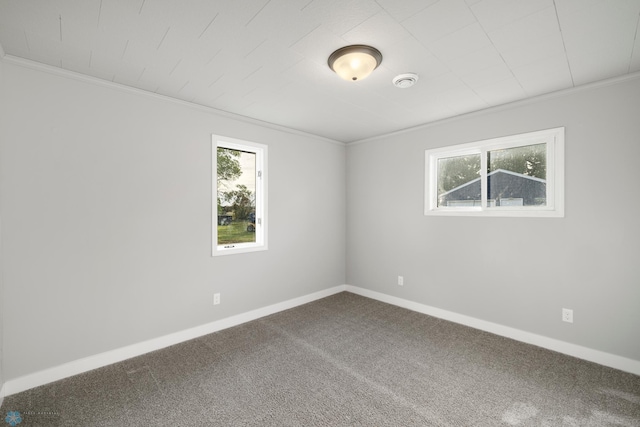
x: 239, y: 210
x: 459, y: 181
x: 236, y: 196
x: 517, y: 176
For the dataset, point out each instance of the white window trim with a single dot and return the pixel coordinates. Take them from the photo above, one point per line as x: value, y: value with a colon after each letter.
x: 554, y: 138
x: 261, y: 196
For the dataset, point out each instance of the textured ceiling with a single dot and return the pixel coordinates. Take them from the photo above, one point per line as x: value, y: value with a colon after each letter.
x: 267, y: 59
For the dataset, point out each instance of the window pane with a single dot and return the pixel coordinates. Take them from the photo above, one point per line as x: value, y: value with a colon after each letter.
x: 521, y: 176
x: 517, y: 176
x: 459, y: 181
x: 236, y: 195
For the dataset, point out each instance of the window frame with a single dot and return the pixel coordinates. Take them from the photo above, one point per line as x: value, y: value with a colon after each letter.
x: 260, y: 151
x: 554, y: 140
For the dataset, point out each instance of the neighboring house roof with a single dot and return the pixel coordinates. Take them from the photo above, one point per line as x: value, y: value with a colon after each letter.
x: 533, y: 178
x: 502, y: 184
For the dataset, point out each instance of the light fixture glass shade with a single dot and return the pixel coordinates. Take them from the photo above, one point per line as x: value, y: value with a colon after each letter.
x: 355, y: 62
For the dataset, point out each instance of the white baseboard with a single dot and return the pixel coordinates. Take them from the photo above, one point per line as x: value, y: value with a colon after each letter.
x: 107, y: 358
x: 596, y: 356
x: 1, y: 393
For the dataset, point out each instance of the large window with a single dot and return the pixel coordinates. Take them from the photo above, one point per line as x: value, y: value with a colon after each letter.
x: 520, y: 175
x: 240, y: 197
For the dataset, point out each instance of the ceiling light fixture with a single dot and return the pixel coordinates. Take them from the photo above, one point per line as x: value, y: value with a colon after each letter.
x: 355, y: 62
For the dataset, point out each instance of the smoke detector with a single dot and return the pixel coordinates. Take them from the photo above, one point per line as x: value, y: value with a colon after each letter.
x: 404, y: 81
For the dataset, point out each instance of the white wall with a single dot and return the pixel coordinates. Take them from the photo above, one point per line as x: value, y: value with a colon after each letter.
x: 106, y: 203
x: 2, y: 299
x: 517, y: 272
x: 106, y: 211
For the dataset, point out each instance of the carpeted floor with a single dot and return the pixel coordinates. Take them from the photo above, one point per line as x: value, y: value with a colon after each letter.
x: 344, y: 360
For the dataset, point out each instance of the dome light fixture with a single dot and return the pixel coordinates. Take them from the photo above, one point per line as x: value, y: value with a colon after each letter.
x: 355, y: 62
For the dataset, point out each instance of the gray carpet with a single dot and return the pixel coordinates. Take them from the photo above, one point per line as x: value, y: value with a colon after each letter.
x: 344, y: 360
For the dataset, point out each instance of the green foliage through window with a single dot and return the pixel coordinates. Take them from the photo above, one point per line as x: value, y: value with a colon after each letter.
x: 517, y: 175
x: 456, y: 171
x: 530, y: 160
x: 240, y: 196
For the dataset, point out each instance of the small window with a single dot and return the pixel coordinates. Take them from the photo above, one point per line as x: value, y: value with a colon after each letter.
x: 240, y: 197
x: 520, y: 175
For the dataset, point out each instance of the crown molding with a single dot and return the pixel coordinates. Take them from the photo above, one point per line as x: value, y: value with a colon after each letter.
x: 26, y: 63
x: 61, y: 72
x: 514, y: 104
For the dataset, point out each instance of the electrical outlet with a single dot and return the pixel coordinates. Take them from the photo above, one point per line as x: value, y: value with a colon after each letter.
x: 567, y: 315
x: 216, y: 299
x: 400, y: 281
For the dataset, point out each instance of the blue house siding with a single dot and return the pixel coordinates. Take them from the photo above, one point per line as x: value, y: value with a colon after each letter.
x: 501, y: 185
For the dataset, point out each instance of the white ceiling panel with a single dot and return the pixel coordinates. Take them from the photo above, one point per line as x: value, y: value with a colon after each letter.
x: 191, y: 91
x: 105, y: 64
x: 232, y: 102
x: 369, y: 32
x: 44, y: 46
x: 463, y: 42
x: 341, y: 16
x: 495, y: 14
x: 599, y: 60
x: 73, y: 58
x: 487, y: 76
x: 266, y: 94
x: 501, y: 92
x: 565, y: 7
x: 34, y: 17
x: 413, y: 100
x: 436, y: 21
x: 476, y: 61
x: 534, y: 50
x: 117, y: 19
x: 118, y: 16
x: 598, y: 16
x: 267, y: 59
x: 138, y: 53
x: 401, y: 10
x: 14, y: 36
x: 317, y: 45
x: 107, y: 44
x: 268, y: 22
x: 461, y: 99
x: 410, y: 55
x: 544, y: 76
x: 73, y: 22
x: 273, y: 56
x: 635, y: 58
x: 101, y: 73
x: 312, y: 74
x: 128, y: 75
x: 440, y: 83
x: 532, y: 27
